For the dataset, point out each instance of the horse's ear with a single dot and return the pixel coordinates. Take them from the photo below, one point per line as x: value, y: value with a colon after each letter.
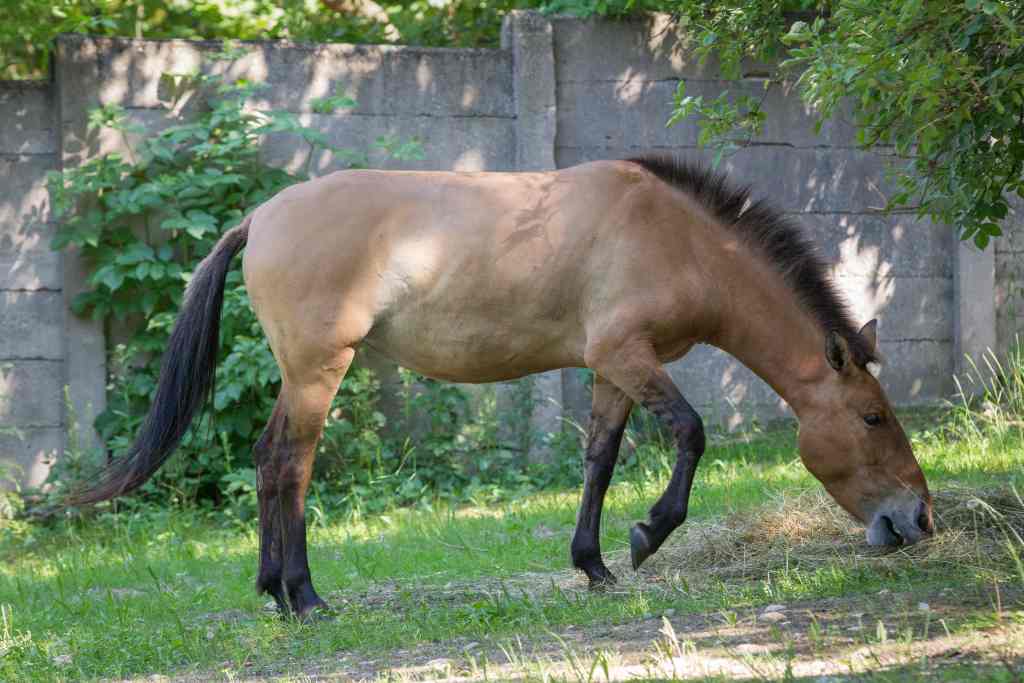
x: 837, y: 350
x: 870, y: 334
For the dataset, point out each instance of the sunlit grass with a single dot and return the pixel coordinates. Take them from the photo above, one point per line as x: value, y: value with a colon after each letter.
x: 172, y: 591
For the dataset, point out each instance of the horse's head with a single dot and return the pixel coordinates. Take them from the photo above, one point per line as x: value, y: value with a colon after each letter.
x: 852, y: 442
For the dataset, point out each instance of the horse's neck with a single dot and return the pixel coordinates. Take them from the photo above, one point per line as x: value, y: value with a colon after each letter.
x: 773, y: 334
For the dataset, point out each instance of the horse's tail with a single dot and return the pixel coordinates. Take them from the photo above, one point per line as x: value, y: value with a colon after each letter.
x: 186, y: 377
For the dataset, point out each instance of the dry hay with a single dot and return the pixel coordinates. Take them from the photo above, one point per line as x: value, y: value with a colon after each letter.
x: 983, y: 528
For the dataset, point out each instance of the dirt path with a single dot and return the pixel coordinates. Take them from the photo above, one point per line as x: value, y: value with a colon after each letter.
x: 816, y: 638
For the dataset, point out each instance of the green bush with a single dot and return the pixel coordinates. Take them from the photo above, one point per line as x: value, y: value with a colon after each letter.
x: 936, y: 87
x: 143, y: 221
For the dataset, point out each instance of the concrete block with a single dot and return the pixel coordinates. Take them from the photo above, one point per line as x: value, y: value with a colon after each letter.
x: 26, y: 261
x: 975, y: 321
x: 618, y: 113
x: 79, y: 76
x: 383, y: 79
x: 1009, y: 300
x: 917, y: 372
x: 461, y: 144
x: 819, y: 179
x: 648, y: 46
x: 635, y: 112
x: 76, y: 76
x: 29, y: 453
x: 31, y: 393
x: 881, y: 246
x: 1012, y: 240
x: 33, y: 325
x: 27, y: 112
x: 24, y: 201
x: 906, y: 307
x: 528, y: 37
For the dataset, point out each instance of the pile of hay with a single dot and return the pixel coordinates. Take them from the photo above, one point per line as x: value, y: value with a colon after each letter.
x: 977, y: 527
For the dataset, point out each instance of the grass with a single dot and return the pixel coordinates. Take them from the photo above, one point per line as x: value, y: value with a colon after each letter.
x: 171, y: 592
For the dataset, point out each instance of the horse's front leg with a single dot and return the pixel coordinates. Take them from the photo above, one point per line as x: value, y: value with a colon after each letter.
x: 669, y: 512
x: 635, y: 369
x: 610, y: 409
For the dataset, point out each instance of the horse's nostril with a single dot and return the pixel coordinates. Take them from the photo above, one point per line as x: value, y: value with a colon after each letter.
x: 896, y: 536
x: 924, y: 522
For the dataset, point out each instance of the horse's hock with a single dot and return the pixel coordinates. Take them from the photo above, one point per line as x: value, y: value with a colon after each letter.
x: 559, y: 92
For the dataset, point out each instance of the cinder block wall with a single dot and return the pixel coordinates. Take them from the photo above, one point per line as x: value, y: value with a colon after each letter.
x: 559, y: 92
x: 1009, y: 279
x: 32, y: 337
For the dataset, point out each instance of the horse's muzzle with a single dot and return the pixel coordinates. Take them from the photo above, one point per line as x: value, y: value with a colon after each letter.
x: 901, y: 522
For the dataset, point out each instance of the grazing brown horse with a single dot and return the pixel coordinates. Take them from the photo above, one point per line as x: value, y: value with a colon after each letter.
x: 618, y: 266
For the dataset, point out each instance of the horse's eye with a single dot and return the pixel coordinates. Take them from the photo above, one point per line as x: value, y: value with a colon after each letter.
x: 873, y: 419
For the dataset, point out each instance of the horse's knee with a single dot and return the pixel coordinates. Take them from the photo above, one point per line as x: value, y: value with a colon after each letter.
x: 689, y: 432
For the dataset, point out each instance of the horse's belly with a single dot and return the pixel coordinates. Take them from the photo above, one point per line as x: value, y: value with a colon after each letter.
x: 471, y: 350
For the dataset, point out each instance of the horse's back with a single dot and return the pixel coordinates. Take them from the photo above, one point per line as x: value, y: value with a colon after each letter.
x: 463, y: 276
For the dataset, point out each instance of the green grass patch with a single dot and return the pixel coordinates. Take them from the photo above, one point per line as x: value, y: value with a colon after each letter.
x: 164, y: 591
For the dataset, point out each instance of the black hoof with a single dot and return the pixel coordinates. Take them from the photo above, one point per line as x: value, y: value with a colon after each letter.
x: 640, y: 546
x: 315, y: 612
x: 597, y: 574
x: 600, y: 581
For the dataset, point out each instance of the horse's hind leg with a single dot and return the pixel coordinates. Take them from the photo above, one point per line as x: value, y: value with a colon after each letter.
x: 271, y: 563
x: 636, y: 370
x: 609, y: 412
x: 284, y: 475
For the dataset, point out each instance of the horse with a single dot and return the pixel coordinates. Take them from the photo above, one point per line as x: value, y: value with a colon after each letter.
x: 617, y: 266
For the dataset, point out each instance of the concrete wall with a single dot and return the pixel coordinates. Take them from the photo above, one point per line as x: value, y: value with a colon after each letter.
x: 559, y: 92
x: 1009, y: 281
x: 32, y: 340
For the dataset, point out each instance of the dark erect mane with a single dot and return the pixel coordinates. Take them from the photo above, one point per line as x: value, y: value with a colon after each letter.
x: 780, y: 240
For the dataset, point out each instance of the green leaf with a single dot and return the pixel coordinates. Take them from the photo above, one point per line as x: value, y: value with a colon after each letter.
x: 136, y: 253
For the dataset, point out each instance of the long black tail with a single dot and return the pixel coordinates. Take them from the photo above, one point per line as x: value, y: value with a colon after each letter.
x: 186, y: 377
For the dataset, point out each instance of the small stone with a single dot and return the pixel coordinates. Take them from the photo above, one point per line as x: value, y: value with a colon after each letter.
x: 923, y: 606
x: 885, y: 591
x: 62, y: 660
x: 775, y: 608
x: 773, y: 616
